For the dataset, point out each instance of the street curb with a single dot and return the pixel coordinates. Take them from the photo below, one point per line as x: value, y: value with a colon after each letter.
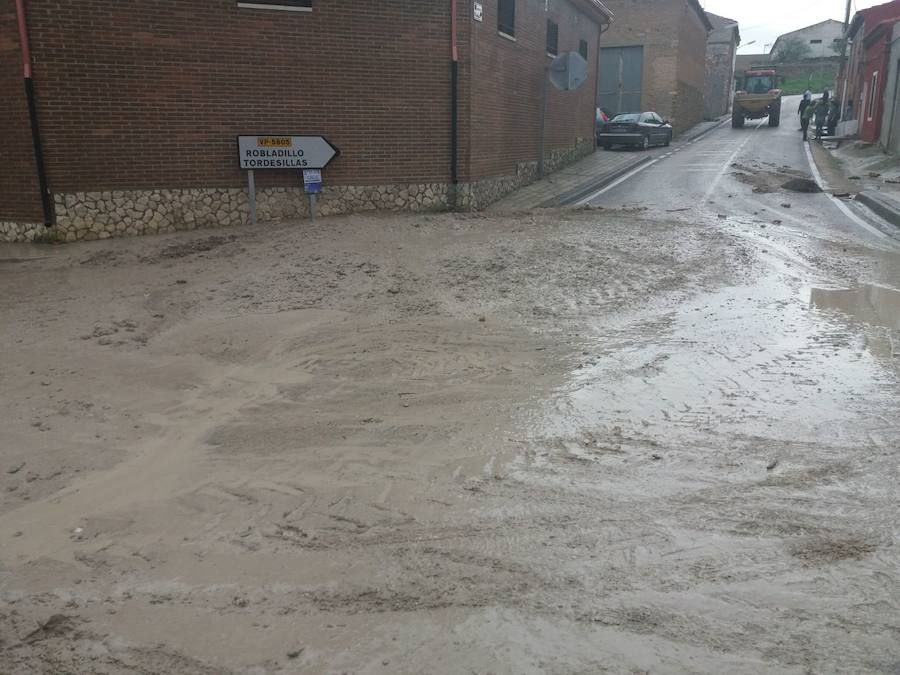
x: 885, y: 208
x: 576, y: 194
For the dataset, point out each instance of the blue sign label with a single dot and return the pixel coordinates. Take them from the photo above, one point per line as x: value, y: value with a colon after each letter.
x: 312, y: 180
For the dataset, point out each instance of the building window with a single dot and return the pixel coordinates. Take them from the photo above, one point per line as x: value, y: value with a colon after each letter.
x: 583, y: 49
x: 873, y: 96
x: 506, y: 17
x: 288, y: 5
x: 552, y: 38
x: 815, y: 42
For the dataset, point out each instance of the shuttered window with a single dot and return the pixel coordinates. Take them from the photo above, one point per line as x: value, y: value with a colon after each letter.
x: 506, y: 17
x: 552, y: 38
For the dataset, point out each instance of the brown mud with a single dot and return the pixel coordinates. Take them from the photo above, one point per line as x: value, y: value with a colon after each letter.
x: 555, y: 442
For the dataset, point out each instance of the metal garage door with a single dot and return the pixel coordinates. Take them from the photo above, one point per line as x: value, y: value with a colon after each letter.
x: 621, y: 73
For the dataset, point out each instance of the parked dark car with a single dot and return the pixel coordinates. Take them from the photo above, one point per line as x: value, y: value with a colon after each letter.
x: 640, y: 130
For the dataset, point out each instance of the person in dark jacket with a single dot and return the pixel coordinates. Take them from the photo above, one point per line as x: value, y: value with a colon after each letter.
x: 834, y: 116
x: 821, y: 115
x: 804, y: 104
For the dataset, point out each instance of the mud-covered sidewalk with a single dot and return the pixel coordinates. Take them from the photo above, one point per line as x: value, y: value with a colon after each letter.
x: 550, y: 442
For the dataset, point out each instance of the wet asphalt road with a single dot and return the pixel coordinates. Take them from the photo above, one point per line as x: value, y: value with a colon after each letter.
x: 780, y: 398
x: 698, y: 179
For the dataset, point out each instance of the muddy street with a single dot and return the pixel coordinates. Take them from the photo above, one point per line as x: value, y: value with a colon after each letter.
x: 632, y: 437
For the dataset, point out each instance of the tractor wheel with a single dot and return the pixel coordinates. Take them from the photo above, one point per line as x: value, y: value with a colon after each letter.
x: 737, y: 119
x: 775, y: 115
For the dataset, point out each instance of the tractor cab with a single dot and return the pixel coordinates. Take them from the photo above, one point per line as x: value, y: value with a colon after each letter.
x: 758, y: 82
x: 757, y: 96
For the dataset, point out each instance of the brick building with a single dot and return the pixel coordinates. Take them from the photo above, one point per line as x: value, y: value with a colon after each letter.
x: 654, y: 58
x: 721, y: 53
x: 139, y: 103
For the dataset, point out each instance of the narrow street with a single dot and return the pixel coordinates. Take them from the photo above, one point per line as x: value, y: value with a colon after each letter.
x: 715, y: 171
x: 654, y: 435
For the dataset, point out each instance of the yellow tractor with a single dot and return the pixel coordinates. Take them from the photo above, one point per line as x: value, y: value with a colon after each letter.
x: 757, y: 96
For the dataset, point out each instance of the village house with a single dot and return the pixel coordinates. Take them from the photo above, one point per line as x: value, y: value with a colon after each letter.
x: 654, y: 58
x: 820, y: 40
x: 721, y: 53
x: 138, y: 105
x: 871, y: 70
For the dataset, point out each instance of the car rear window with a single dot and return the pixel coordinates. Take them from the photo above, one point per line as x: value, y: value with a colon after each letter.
x: 627, y: 117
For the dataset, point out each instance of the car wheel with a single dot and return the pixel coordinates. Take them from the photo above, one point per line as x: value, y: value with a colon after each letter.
x: 668, y: 140
x: 645, y: 142
x: 607, y: 146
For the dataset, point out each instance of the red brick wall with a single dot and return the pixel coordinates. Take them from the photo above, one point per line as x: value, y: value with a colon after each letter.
x: 20, y: 196
x: 674, y: 41
x: 151, y: 93
x: 506, y: 85
x: 145, y: 94
x: 691, y: 68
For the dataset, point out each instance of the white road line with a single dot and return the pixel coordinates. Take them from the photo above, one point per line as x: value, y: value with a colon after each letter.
x: 728, y: 162
x: 815, y: 170
x: 837, y: 202
x: 616, y: 182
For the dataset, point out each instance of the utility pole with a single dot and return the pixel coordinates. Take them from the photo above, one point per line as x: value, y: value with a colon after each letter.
x: 842, y: 69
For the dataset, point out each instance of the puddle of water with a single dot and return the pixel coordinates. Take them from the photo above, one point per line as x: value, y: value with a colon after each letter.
x: 875, y: 305
x: 745, y: 361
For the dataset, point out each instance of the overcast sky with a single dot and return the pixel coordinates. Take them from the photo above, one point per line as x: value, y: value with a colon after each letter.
x: 765, y: 20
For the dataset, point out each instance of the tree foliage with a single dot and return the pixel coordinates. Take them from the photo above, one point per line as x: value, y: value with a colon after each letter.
x: 792, y: 49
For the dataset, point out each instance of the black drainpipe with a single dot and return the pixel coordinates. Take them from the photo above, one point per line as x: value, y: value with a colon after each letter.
x: 46, y: 202
x: 454, y: 110
x: 454, y: 129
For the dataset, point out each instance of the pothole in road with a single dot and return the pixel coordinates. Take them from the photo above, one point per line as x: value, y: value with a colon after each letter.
x: 766, y: 178
x: 801, y: 185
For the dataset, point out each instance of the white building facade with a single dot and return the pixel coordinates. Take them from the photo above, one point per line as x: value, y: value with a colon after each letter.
x: 823, y: 39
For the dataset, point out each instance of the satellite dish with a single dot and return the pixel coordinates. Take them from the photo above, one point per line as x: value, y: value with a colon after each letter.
x: 568, y: 71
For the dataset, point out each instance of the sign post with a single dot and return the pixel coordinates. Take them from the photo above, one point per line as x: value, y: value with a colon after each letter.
x: 310, y: 154
x: 312, y: 182
x: 251, y: 191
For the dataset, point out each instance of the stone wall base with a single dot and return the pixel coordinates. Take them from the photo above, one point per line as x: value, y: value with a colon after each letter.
x: 102, y: 215
x: 479, y: 194
x: 13, y: 231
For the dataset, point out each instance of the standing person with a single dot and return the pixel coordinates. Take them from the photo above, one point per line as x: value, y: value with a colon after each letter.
x: 804, y: 104
x: 834, y: 116
x: 821, y: 114
x: 806, y: 117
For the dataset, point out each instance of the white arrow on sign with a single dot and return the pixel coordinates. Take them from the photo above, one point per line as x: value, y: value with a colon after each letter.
x: 276, y: 151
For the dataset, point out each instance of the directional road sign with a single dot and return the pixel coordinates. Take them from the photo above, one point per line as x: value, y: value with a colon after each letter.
x: 281, y: 151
